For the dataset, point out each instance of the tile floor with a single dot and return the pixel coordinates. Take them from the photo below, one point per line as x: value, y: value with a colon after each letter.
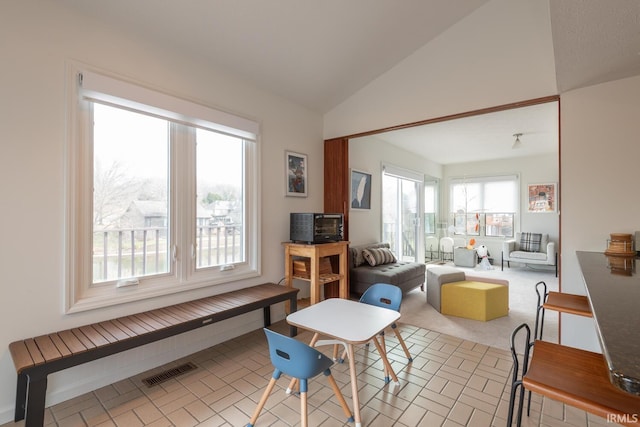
x: 451, y: 382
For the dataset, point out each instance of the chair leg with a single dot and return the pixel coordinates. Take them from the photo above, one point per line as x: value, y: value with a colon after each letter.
x: 304, y: 417
x: 338, y: 393
x: 383, y: 344
x: 263, y: 400
x: 387, y: 365
x: 402, y: 343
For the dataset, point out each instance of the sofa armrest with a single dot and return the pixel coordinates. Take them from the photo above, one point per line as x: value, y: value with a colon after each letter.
x: 551, y: 252
x: 508, y: 246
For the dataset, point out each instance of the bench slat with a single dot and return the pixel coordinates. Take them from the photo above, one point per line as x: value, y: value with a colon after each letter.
x: 163, y: 317
x: 150, y: 321
x: 137, y: 326
x: 83, y: 338
x: 20, y: 355
x: 121, y: 325
x: 212, y: 306
x: 105, y: 334
x: 181, y: 314
x: 72, y: 342
x: 32, y: 347
x: 47, y: 348
x: 96, y: 338
x: 60, y: 345
x: 114, y: 330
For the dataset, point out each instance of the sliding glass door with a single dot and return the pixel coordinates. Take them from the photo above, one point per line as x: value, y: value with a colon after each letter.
x: 401, y: 212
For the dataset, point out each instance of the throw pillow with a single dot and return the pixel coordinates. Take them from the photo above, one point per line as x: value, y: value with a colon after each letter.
x: 378, y: 256
x: 530, y: 242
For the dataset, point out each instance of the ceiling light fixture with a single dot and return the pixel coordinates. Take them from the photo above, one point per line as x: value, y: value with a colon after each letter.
x: 517, y: 143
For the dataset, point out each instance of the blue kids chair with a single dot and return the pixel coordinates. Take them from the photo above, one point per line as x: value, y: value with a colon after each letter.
x: 299, y: 361
x: 386, y: 296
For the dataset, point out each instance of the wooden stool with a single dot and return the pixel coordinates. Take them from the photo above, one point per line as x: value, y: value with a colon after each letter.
x: 560, y: 302
x: 578, y: 378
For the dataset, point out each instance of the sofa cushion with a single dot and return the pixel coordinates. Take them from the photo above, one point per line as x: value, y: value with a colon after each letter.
x: 525, y: 257
x: 405, y: 275
x: 356, y: 259
x: 378, y: 256
x: 530, y: 242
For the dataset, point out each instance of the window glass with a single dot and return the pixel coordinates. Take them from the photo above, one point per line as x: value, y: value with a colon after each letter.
x: 130, y: 194
x: 489, y: 200
x: 162, y: 194
x: 220, y: 208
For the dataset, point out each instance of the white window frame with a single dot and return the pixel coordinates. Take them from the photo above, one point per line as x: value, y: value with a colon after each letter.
x: 480, y: 180
x: 85, y: 82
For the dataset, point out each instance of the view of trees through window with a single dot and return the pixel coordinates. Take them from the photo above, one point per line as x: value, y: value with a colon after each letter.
x: 133, y: 193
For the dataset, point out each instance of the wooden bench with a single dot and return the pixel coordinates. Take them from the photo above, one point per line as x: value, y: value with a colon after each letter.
x: 36, y: 358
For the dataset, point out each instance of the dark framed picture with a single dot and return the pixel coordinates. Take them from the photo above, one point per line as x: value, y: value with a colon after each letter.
x: 542, y: 198
x: 360, y: 189
x: 296, y: 174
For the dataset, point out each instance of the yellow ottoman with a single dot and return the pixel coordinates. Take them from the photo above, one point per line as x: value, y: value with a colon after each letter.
x: 475, y: 300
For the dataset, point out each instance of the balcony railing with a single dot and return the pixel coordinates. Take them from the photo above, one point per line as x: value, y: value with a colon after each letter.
x: 137, y: 252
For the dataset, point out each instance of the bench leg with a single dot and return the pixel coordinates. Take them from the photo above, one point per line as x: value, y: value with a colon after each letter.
x: 293, y: 306
x: 267, y: 316
x: 35, y: 402
x: 21, y: 397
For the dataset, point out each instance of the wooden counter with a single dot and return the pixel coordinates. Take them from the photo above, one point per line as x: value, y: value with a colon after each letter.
x: 614, y: 296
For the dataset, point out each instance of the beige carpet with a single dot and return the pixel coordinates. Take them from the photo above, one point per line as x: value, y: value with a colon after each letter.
x: 495, y: 333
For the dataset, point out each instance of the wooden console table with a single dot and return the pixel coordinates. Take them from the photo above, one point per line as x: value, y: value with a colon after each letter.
x: 315, y: 253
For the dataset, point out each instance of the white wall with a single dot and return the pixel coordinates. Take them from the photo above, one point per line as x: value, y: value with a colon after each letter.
x: 37, y: 39
x: 531, y: 170
x: 599, y: 164
x: 367, y: 154
x: 501, y: 53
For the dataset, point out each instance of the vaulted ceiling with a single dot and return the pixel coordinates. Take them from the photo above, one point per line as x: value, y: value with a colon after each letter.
x: 319, y: 53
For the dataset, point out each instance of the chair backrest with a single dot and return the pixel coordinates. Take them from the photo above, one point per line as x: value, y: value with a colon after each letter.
x: 431, y: 243
x: 295, y: 358
x: 446, y: 244
x: 383, y: 295
x: 520, y: 335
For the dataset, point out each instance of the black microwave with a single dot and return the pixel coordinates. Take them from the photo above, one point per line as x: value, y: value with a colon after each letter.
x: 315, y: 227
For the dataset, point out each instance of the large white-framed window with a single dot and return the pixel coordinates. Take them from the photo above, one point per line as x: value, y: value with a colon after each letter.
x: 162, y: 193
x: 484, y: 205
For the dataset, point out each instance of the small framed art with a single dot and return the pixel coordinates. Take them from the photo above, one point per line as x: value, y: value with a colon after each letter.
x: 296, y: 174
x: 360, y: 190
x: 543, y: 198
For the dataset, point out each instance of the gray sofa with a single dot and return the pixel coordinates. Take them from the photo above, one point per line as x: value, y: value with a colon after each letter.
x: 405, y: 275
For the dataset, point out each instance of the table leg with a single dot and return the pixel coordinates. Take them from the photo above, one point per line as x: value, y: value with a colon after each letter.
x: 354, y: 385
x: 387, y: 365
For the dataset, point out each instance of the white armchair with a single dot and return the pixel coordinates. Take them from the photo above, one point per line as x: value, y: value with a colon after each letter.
x: 530, y: 248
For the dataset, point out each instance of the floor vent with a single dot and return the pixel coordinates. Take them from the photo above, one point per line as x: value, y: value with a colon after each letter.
x: 168, y: 374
